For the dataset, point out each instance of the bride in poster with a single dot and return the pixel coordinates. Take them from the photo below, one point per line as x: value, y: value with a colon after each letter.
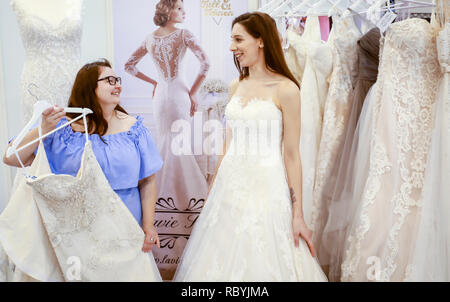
x: 181, y: 177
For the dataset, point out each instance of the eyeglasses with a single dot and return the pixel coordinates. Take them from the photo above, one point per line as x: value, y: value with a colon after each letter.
x: 112, y: 80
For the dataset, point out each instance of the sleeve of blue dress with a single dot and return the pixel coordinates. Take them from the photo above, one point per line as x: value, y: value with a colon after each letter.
x: 151, y: 161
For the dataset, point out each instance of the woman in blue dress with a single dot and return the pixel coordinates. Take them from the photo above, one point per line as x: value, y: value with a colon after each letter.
x: 122, y: 145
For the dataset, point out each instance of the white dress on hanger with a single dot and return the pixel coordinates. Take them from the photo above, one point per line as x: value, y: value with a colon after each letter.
x: 384, y: 230
x: 317, y: 59
x: 244, y: 232
x: 431, y: 254
x: 52, y: 55
x: 343, y: 42
x: 65, y: 228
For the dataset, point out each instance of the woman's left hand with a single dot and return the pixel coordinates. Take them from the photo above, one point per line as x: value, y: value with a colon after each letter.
x: 194, y: 104
x: 301, y: 230
x: 151, y: 238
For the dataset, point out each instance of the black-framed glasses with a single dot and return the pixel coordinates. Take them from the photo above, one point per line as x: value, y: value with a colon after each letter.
x: 112, y: 80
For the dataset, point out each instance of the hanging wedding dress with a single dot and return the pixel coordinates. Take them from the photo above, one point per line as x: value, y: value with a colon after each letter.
x: 379, y: 240
x: 244, y: 232
x: 353, y: 156
x: 316, y: 58
x: 431, y: 253
x: 295, y: 63
x: 55, y: 222
x: 343, y: 41
x: 52, y: 54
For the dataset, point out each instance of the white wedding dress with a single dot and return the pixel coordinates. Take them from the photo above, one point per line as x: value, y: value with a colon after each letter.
x: 182, y: 186
x: 244, y: 232
x: 317, y: 59
x: 430, y: 260
x: 343, y: 42
x: 380, y: 239
x: 65, y: 228
x: 53, y: 55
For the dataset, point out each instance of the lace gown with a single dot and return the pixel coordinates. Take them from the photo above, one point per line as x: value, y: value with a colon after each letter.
x: 244, y: 232
x: 78, y: 228
x: 353, y: 157
x: 431, y: 253
x: 181, y: 182
x: 52, y: 55
x: 343, y: 41
x: 384, y: 229
x: 316, y: 58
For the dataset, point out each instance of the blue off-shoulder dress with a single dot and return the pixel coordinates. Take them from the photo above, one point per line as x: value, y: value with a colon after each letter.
x: 125, y: 158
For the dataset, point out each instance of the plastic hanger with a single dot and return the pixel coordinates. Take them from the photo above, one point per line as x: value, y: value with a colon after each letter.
x: 270, y: 6
x: 38, y: 109
x: 302, y: 8
x: 339, y: 7
x: 285, y: 5
x: 321, y: 8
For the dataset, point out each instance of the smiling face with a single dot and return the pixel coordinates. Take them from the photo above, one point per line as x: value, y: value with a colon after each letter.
x: 107, y: 94
x: 247, y: 49
x: 177, y: 14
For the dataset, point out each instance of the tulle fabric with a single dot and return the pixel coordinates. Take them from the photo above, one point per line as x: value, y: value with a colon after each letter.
x: 244, y: 232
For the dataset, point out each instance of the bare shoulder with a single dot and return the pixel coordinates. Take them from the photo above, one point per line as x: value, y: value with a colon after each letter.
x: 288, y: 93
x: 233, y: 87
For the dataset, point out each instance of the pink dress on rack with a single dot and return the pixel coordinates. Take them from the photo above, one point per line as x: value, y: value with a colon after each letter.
x: 182, y: 187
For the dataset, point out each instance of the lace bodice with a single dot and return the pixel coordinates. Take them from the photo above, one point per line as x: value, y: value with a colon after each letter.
x: 85, y: 219
x: 168, y: 52
x: 256, y: 129
x: 52, y: 54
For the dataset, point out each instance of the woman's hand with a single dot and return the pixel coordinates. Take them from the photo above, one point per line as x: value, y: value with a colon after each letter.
x: 151, y: 238
x: 194, y: 104
x: 51, y: 117
x: 301, y: 230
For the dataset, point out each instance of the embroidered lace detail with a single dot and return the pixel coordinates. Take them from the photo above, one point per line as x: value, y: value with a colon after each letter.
x: 167, y: 52
x: 53, y: 55
x: 248, y: 211
x: 85, y: 218
x: 343, y: 41
x: 405, y: 96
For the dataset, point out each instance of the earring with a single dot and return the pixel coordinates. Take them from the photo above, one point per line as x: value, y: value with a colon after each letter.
x: 260, y: 46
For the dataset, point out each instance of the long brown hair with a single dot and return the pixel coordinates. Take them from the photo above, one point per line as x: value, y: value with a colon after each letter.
x: 83, y: 95
x: 261, y: 25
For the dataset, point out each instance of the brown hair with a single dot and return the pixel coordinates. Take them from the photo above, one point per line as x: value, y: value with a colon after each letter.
x: 83, y: 95
x: 261, y: 25
x: 162, y: 13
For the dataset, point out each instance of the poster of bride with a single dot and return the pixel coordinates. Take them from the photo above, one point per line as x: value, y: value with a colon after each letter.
x: 174, y: 59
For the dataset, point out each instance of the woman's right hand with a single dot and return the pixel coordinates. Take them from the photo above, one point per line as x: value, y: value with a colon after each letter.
x: 51, y: 117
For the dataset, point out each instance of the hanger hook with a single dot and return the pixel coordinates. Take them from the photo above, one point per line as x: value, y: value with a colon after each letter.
x: 31, y: 93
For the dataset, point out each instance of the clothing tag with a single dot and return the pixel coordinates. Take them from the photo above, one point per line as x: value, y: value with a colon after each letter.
x: 387, y: 19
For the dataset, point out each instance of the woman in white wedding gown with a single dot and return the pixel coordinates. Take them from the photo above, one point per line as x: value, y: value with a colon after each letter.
x: 252, y: 226
x: 181, y: 178
x: 181, y: 182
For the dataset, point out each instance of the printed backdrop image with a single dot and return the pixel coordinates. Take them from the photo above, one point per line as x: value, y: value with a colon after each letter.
x: 199, y: 46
